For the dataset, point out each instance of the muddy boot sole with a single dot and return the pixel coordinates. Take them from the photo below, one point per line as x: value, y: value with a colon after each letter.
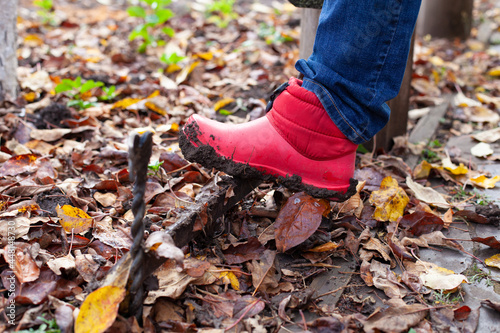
x: 208, y: 157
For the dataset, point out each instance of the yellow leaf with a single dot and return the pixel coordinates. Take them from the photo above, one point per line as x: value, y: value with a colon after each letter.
x: 182, y: 76
x: 390, y: 201
x: 484, y: 182
x: 33, y: 40
x: 73, y: 219
x: 494, y: 71
x: 153, y: 107
x: 325, y: 247
x: 154, y: 94
x: 422, y: 170
x: 174, y: 127
x: 222, y: 103
x: 98, y: 311
x: 30, y: 97
x: 493, y: 261
x: 440, y: 278
x: 173, y: 68
x: 456, y: 170
x: 125, y: 103
x: 229, y: 277
x: 205, y: 56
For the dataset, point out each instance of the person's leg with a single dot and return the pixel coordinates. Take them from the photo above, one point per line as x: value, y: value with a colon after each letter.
x: 358, y: 61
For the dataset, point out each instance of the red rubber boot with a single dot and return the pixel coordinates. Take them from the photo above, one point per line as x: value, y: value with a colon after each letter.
x: 296, y: 143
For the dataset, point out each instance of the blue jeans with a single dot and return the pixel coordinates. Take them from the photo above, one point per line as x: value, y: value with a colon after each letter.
x: 358, y: 61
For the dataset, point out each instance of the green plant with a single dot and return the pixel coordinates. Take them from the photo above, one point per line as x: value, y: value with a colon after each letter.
x: 155, y: 16
x: 109, y: 93
x: 77, y: 90
x: 271, y: 35
x: 441, y: 297
x: 476, y: 275
x: 46, y: 11
x: 171, y: 59
x: 49, y: 326
x: 221, y: 12
x: 155, y: 167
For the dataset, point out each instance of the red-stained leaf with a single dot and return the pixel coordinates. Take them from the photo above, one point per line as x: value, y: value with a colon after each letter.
x: 297, y: 220
x: 462, y: 313
x: 419, y: 223
x: 490, y: 241
x: 244, y: 252
x: 18, y: 256
x: 93, y: 168
x: 107, y: 185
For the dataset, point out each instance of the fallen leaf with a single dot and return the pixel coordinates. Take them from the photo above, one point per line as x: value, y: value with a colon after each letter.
x: 493, y: 261
x: 247, y: 306
x: 250, y: 250
x: 264, y: 272
x: 399, y: 317
x: 390, y: 201
x: 330, y: 246
x: 488, y: 136
x: 105, y: 199
x: 481, y: 150
x: 439, y: 278
x: 419, y: 223
x: 456, y: 170
x: 462, y: 313
x: 67, y: 262
x: 23, y: 265
x: 490, y: 241
x: 484, y: 182
x: 222, y: 102
x: 422, y: 170
x: 299, y: 218
x: 19, y: 164
x: 427, y: 194
x: 472, y: 216
x: 73, y: 219
x: 163, y: 244
x: 49, y: 135
x: 99, y: 310
x: 229, y: 277
x: 491, y: 304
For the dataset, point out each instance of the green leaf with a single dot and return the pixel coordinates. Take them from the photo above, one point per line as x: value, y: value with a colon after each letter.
x: 152, y: 19
x: 136, y: 11
x: 90, y: 84
x: 168, y: 31
x: 225, y: 112
x: 164, y: 15
x: 62, y: 87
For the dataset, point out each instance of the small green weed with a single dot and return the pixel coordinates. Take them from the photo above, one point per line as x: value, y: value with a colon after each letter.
x: 77, y: 90
x: 440, y: 297
x: 155, y: 167
x: 45, y: 11
x: 155, y: 15
x: 476, y: 275
x: 429, y: 153
x: 171, y: 59
x: 221, y: 12
x: 49, y: 326
x: 271, y: 35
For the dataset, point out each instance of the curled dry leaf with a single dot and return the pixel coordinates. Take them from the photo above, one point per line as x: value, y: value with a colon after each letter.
x: 163, y: 244
x: 433, y: 238
x: 491, y: 304
x: 67, y: 263
x: 454, y: 169
x: 390, y: 201
x: 435, y: 277
x: 488, y: 136
x: 427, y: 194
x: 105, y: 199
x: 298, y: 220
x: 490, y: 241
x: 18, y: 256
x: 384, y: 279
x: 250, y: 250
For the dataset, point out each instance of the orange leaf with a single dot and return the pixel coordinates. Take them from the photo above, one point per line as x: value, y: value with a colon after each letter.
x: 297, y: 220
x: 98, y: 311
x: 18, y: 164
x: 125, y: 103
x: 74, y: 219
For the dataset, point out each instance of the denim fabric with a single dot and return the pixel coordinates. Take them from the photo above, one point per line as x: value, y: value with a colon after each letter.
x: 358, y: 61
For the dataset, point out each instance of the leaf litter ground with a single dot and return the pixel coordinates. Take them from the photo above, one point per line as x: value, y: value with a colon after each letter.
x: 278, y: 260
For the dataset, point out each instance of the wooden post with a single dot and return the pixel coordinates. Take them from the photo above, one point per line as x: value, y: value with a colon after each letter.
x: 8, y: 59
x: 397, y: 124
x: 445, y: 18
